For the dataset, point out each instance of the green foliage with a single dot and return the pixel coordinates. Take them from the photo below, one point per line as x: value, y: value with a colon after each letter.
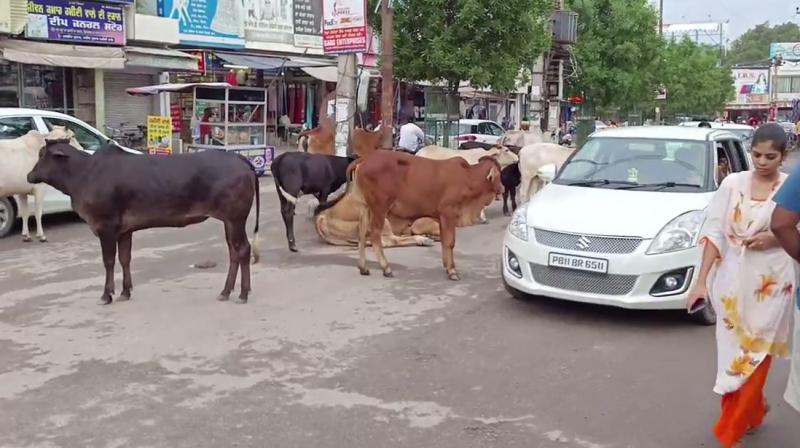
x: 753, y: 46
x: 696, y: 83
x: 485, y: 42
x: 618, y: 52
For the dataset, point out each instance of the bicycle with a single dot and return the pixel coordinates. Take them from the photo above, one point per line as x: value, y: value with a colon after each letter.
x: 129, y: 137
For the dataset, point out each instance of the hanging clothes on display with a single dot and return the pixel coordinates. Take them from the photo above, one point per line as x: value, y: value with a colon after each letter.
x: 310, y: 101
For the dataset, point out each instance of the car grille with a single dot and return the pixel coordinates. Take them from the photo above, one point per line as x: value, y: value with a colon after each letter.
x: 590, y: 243
x: 580, y: 281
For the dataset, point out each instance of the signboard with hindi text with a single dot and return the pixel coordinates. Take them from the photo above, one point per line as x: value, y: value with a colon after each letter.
x: 308, y: 23
x: 75, y: 21
x: 159, y: 135
x: 344, y: 26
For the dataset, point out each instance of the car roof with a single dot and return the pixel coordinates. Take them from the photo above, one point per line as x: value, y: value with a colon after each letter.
x: 716, y: 125
x: 9, y: 111
x: 473, y: 121
x: 663, y: 133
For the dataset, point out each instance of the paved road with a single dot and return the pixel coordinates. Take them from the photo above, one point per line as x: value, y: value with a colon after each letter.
x: 322, y: 357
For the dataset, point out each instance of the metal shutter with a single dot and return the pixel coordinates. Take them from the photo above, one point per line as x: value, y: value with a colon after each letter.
x: 124, y: 108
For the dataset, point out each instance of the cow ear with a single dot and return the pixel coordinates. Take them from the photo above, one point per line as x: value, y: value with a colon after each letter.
x: 493, y: 173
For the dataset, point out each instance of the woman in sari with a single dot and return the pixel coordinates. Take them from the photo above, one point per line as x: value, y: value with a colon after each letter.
x: 750, y: 281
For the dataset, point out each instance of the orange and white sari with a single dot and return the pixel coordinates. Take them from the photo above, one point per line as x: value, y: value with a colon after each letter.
x: 752, y: 292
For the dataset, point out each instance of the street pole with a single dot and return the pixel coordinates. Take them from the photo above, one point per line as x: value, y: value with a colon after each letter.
x: 387, y: 72
x: 345, y: 102
x: 661, y: 18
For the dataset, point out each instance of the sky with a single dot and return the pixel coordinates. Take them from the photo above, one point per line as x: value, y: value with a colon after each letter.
x: 741, y: 14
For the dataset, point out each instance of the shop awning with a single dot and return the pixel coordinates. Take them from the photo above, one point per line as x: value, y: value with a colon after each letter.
x: 327, y: 74
x: 62, y: 55
x: 161, y: 58
x: 174, y: 87
x: 254, y: 62
x: 297, y: 61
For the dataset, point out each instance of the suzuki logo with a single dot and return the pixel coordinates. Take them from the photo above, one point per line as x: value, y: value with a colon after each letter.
x: 583, y: 243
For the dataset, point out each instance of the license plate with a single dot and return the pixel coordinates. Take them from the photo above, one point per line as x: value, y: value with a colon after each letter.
x: 565, y: 261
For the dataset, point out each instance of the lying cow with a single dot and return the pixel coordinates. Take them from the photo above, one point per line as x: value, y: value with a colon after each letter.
x: 532, y: 159
x: 412, y: 187
x: 130, y: 192
x: 503, y: 155
x: 298, y: 173
x: 17, y: 158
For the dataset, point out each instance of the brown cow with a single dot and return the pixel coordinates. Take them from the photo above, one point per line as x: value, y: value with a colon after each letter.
x: 414, y: 187
x: 322, y: 140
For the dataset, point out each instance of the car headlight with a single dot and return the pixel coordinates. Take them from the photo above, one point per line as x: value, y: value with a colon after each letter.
x: 679, y: 234
x: 519, y: 223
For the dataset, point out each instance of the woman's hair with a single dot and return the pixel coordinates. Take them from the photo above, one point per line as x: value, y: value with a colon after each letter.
x: 772, y: 132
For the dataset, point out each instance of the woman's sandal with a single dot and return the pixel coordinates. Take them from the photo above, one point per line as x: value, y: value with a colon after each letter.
x: 751, y: 431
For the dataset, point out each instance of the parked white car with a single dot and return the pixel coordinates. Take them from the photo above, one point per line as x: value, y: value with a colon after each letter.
x: 481, y: 131
x: 619, y: 224
x: 16, y: 122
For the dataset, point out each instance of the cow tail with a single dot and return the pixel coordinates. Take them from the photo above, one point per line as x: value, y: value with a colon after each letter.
x: 330, y: 204
x: 283, y: 195
x: 256, y: 246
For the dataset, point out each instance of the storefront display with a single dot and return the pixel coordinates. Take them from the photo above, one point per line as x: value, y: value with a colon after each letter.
x: 35, y: 86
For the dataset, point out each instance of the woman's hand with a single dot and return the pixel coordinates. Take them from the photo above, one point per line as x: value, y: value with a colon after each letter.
x: 696, y: 294
x: 761, y: 241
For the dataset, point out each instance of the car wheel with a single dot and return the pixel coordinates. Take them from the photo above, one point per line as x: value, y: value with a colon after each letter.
x: 515, y: 293
x: 706, y: 316
x: 7, y: 216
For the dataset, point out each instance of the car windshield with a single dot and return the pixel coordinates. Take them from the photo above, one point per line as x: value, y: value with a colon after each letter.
x: 639, y: 164
x: 745, y: 135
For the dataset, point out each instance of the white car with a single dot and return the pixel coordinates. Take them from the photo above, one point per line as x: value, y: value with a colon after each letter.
x: 480, y: 131
x: 16, y: 122
x: 619, y: 224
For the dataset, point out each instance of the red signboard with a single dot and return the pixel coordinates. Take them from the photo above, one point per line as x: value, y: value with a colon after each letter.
x: 175, y: 114
x: 344, y: 26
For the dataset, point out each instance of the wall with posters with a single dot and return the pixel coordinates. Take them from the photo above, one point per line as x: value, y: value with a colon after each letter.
x: 752, y: 86
x: 207, y: 23
x: 308, y: 23
x: 75, y: 21
x: 269, y: 21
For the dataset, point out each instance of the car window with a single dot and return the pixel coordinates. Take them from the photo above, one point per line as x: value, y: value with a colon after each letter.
x: 88, y: 139
x: 13, y: 127
x: 496, y: 130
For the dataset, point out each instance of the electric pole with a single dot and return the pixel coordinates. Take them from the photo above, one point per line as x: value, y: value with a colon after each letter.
x: 387, y: 72
x: 661, y: 18
x: 345, y: 102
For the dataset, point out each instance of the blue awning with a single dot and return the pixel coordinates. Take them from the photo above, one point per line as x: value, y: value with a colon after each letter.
x: 254, y: 62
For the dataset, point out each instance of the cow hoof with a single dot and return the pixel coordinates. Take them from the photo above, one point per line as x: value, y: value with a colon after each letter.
x: 506, y: 213
x: 485, y: 221
x: 293, y: 248
x: 222, y: 298
x: 105, y: 300
x: 42, y: 239
x: 124, y: 297
x: 241, y: 301
x: 26, y: 239
x: 427, y: 242
x: 363, y: 271
x: 453, y: 276
x: 388, y: 274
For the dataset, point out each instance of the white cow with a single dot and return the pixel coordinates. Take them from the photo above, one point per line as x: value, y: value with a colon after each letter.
x: 503, y: 155
x: 532, y: 158
x: 17, y: 158
x: 522, y: 138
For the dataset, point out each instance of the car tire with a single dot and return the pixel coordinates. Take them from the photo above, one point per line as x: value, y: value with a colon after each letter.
x: 707, y: 316
x: 8, y: 215
x: 515, y: 293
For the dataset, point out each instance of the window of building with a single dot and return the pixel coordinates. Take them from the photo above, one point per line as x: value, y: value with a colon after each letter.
x: 46, y: 88
x: 787, y: 84
x: 9, y: 84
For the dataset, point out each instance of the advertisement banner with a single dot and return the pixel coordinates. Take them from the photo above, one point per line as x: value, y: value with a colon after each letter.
x: 344, y: 26
x: 159, y: 135
x: 207, y: 23
x: 75, y: 21
x: 789, y: 51
x: 269, y: 21
x: 308, y: 23
x: 752, y: 86
x: 260, y: 158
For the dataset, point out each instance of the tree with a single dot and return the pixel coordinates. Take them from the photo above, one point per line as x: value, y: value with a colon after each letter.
x: 752, y: 47
x: 696, y: 83
x: 485, y: 42
x: 617, y: 53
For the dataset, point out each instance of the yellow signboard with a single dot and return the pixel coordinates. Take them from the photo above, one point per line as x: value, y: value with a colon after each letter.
x: 159, y: 134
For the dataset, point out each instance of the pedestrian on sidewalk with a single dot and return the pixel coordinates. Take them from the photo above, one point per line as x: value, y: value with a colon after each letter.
x: 750, y: 281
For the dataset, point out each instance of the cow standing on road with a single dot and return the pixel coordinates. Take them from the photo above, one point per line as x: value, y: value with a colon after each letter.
x: 298, y: 173
x: 130, y: 192
x: 411, y: 187
x: 17, y: 157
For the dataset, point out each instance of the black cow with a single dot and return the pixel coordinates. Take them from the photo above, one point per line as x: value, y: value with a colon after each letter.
x: 298, y: 173
x: 510, y: 177
x: 118, y: 193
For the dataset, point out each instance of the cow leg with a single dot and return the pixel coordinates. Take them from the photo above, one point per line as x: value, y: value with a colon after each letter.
x: 39, y: 193
x: 108, y: 244
x: 242, y: 247
x: 287, y: 212
x: 483, y: 216
x: 363, y: 228
x: 233, y: 264
x: 375, y: 228
x: 506, y: 193
x: 448, y: 229
x: 22, y: 201
x: 524, y: 189
x: 513, y: 193
x: 124, y: 246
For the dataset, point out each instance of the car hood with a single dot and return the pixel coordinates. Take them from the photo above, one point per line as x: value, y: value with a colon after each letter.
x: 602, y: 211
